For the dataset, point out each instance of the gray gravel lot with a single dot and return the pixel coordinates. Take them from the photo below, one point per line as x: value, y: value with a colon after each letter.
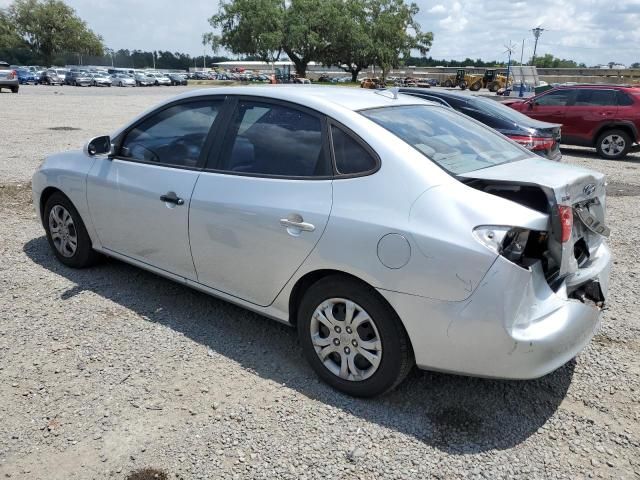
x: 111, y: 369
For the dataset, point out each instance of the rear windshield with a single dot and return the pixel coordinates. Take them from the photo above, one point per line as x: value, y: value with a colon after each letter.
x: 453, y: 141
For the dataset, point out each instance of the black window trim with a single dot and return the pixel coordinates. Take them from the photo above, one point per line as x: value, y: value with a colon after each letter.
x: 355, y: 137
x: 214, y: 157
x: 211, y: 134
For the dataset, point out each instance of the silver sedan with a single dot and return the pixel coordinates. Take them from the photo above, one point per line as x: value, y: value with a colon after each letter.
x: 388, y: 230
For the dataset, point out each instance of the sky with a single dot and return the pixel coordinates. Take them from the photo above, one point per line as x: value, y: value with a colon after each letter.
x: 589, y: 31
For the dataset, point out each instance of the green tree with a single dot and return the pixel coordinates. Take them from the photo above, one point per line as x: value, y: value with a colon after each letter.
x: 9, y: 37
x: 549, y: 61
x: 395, y: 33
x: 349, y: 41
x: 49, y: 27
x: 251, y: 27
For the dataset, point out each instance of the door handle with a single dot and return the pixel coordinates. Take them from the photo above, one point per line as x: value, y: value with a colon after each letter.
x: 171, y: 197
x: 296, y: 221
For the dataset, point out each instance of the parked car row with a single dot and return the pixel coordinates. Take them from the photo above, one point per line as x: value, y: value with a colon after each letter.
x: 228, y: 75
x: 96, y: 78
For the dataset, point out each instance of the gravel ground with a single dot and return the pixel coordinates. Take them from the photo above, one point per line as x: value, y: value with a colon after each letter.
x: 112, y: 369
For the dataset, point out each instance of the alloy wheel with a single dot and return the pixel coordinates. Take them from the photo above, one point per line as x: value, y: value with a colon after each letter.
x: 346, y: 339
x: 613, y: 145
x: 63, y: 231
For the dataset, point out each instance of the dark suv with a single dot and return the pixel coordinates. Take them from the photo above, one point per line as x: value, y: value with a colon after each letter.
x: 606, y: 117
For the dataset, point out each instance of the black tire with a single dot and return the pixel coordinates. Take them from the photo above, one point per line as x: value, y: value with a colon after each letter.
x: 609, y: 151
x: 448, y: 83
x: 475, y: 86
x: 463, y: 85
x: 84, y: 255
x: 494, y: 87
x: 15, y: 89
x: 396, y: 359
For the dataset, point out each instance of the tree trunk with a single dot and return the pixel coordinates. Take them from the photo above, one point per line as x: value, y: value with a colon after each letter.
x: 354, y: 74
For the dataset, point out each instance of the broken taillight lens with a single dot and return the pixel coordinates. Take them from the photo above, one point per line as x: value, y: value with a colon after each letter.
x: 534, y: 143
x: 566, y: 221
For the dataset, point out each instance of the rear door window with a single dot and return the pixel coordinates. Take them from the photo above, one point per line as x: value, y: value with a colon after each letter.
x: 274, y: 140
x: 595, y: 98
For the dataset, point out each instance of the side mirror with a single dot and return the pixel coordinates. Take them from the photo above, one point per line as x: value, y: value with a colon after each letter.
x: 98, y: 146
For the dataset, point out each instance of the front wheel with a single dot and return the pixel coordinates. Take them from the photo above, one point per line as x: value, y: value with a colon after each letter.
x: 66, y: 233
x: 448, y: 83
x: 613, y: 144
x: 352, y: 338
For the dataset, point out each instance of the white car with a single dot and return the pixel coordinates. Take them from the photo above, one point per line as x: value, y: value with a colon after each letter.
x: 123, y: 80
x: 160, y: 78
x: 389, y: 230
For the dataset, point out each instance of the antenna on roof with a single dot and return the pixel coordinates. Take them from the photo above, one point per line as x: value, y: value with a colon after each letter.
x: 393, y: 90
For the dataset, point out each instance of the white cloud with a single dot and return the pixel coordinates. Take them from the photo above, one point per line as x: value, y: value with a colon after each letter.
x: 589, y: 31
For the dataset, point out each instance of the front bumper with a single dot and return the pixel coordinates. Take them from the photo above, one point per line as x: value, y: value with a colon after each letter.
x: 514, y: 326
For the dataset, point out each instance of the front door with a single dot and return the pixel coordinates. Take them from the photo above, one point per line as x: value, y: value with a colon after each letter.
x: 139, y: 199
x: 259, y: 211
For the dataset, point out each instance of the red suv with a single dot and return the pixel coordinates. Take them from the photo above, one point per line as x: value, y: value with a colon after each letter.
x: 606, y: 117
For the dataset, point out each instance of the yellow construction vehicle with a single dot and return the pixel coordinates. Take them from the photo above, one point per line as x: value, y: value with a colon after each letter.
x: 464, y: 80
x: 494, y: 81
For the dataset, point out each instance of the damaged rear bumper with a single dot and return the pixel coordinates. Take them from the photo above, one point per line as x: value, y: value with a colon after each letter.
x: 513, y: 326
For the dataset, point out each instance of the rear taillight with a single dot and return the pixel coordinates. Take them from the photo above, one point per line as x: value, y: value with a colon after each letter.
x: 533, y: 143
x: 566, y: 221
x: 11, y: 75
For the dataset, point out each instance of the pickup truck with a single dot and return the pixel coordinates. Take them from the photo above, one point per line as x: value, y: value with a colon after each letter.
x: 8, y: 78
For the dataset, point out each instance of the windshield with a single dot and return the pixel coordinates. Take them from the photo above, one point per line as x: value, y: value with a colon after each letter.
x: 453, y: 141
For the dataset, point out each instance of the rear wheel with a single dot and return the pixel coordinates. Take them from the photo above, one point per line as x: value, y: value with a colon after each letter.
x: 15, y: 89
x: 448, y: 83
x: 613, y: 144
x: 463, y: 85
x: 66, y: 233
x: 475, y: 86
x: 353, y: 340
x: 494, y: 86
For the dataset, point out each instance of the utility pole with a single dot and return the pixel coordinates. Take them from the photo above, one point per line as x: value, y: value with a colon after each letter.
x: 522, y: 52
x: 536, y: 33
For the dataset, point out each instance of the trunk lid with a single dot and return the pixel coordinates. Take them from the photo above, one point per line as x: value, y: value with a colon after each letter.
x: 583, y: 191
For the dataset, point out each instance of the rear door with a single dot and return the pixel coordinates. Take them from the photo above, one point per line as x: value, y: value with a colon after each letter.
x: 262, y: 205
x: 139, y: 199
x: 550, y: 107
x: 590, y: 109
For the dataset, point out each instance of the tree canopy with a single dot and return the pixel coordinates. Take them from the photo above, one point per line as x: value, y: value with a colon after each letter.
x: 351, y: 34
x: 48, y: 27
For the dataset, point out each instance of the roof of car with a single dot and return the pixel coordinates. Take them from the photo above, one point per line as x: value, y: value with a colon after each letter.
x: 596, y: 85
x: 311, y: 95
